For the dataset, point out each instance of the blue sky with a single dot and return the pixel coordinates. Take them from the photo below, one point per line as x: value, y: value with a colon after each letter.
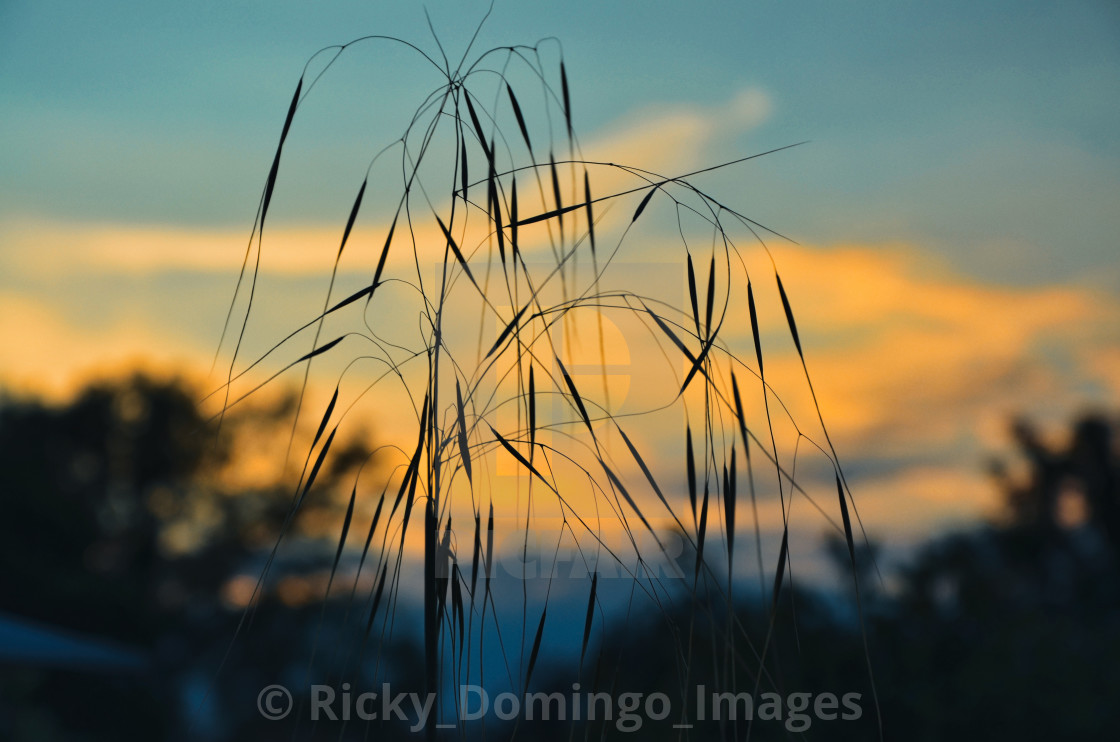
x: 987, y: 130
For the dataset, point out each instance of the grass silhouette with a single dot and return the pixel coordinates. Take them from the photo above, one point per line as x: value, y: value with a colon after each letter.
x: 511, y: 274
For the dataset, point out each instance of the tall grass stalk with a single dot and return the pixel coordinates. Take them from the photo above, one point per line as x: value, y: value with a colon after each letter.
x: 519, y: 255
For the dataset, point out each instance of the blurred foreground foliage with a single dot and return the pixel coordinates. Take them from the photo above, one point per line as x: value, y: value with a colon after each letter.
x: 125, y: 517
x: 1007, y: 630
x: 122, y: 519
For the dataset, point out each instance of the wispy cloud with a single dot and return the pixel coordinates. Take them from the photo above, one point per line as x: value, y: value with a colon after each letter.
x: 45, y: 351
x: 667, y: 139
x: 907, y: 354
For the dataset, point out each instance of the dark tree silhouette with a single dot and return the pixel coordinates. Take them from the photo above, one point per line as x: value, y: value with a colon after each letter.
x: 1007, y: 630
x: 1077, y: 483
x: 88, y: 492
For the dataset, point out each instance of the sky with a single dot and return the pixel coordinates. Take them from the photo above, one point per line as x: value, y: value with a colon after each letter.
x: 954, y: 210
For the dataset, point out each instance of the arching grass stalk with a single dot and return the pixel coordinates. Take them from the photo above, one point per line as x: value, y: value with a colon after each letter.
x: 534, y: 274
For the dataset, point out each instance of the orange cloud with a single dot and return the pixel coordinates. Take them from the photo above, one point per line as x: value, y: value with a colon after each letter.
x: 904, y: 353
x: 42, y: 350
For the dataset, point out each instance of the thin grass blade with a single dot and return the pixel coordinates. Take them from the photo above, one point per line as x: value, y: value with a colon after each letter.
x: 847, y: 522
x: 412, y: 472
x: 270, y: 184
x: 779, y: 575
x: 318, y: 464
x: 377, y: 597
x: 513, y: 216
x: 536, y: 648
x: 692, y: 297
x: 645, y: 469
x: 465, y: 178
x: 642, y: 205
x: 520, y: 118
x: 368, y: 290
x: 458, y: 255
x: 373, y: 523
x: 556, y: 190
x: 489, y: 545
x: 672, y: 335
x: 342, y: 537
x: 567, y: 97
x: 350, y: 220
x: 754, y: 327
x: 739, y: 413
x: 478, y: 129
x: 576, y: 397
x: 384, y: 255
x: 590, y: 213
x: 476, y: 550
x: 552, y: 214
x: 532, y: 413
x: 697, y: 365
x: 320, y: 350
x: 505, y: 332
x: 464, y: 448
x: 457, y: 606
x: 521, y: 459
x: 495, y: 208
x: 711, y: 297
x: 690, y: 461
x: 729, y: 509
x: 326, y: 417
x: 701, y: 532
x: 789, y: 316
x: 587, y: 622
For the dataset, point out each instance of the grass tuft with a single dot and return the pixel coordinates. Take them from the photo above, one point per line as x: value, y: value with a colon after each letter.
x: 532, y: 290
